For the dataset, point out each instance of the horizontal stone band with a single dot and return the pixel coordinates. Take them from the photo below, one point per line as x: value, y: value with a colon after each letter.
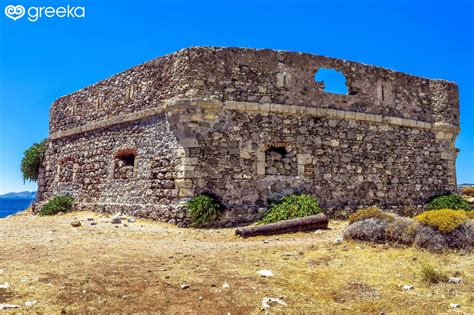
x: 109, y: 122
x: 324, y: 112
x: 264, y: 108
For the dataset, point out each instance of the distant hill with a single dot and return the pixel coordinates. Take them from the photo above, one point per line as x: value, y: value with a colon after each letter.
x: 19, y: 195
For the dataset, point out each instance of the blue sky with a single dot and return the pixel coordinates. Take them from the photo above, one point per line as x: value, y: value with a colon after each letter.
x: 43, y: 60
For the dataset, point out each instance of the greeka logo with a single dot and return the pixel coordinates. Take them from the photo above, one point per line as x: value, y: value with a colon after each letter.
x: 16, y: 12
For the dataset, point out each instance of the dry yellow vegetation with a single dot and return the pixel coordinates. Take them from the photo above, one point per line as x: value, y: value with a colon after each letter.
x: 141, y: 268
x: 370, y: 213
x: 445, y: 220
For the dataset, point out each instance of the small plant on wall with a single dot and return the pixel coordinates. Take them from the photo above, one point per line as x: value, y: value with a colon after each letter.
x: 31, y: 162
x: 203, y: 208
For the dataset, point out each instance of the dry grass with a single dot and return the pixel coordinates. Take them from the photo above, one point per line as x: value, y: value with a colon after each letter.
x: 432, y: 275
x: 140, y: 268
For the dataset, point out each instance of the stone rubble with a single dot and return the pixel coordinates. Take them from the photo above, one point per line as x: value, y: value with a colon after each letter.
x: 115, y: 220
x: 265, y: 273
x: 5, y: 285
x: 268, y: 301
x: 455, y: 280
x: 30, y: 303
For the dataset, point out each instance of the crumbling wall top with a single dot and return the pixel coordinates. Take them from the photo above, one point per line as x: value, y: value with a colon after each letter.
x: 261, y: 76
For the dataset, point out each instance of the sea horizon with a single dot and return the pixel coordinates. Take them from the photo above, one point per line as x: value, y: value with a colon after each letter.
x: 12, y: 206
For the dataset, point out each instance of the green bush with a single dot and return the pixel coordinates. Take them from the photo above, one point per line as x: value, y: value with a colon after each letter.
x: 369, y: 213
x: 31, y: 162
x: 451, y: 201
x: 290, y: 207
x: 203, y: 208
x: 56, y: 205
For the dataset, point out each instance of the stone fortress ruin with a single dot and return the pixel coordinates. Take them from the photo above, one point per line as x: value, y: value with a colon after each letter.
x: 247, y: 126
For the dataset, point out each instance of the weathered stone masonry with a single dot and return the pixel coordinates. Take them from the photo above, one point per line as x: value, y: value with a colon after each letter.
x: 248, y: 126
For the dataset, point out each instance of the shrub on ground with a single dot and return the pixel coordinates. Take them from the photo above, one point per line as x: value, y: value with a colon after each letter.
x: 56, y: 205
x: 31, y: 162
x: 451, y: 201
x: 432, y: 275
x: 290, y: 207
x: 462, y: 237
x: 203, y: 208
x: 429, y: 238
x: 368, y: 230
x: 445, y: 220
x: 403, y: 230
x: 367, y: 213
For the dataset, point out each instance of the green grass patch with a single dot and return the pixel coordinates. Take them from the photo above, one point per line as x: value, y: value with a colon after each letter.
x: 291, y: 207
x: 203, y: 208
x: 451, y: 201
x: 56, y: 205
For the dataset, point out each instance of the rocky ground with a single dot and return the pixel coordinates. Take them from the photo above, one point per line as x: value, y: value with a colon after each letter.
x: 47, y: 265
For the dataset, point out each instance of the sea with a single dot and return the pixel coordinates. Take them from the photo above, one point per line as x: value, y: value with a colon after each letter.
x: 12, y: 206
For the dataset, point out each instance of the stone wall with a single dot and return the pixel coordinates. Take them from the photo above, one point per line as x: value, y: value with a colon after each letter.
x: 249, y: 126
x: 101, y: 180
x: 346, y: 163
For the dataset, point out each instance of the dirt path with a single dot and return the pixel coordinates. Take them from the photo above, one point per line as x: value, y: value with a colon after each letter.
x: 142, y: 267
